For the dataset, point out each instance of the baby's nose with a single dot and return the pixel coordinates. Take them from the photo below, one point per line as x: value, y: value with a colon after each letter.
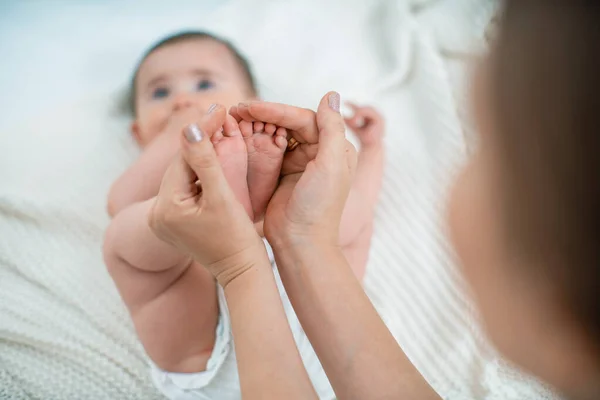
x: 182, y: 101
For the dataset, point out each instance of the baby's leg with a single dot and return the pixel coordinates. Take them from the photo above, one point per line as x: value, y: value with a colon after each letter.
x: 172, y: 301
x: 266, y: 145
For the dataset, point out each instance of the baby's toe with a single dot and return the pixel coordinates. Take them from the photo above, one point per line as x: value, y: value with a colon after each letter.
x: 259, y: 127
x: 231, y: 127
x: 246, y: 128
x: 217, y: 136
x: 270, y: 129
x: 281, y: 142
x: 281, y: 132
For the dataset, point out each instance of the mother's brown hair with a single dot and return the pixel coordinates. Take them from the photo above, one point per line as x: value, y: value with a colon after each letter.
x: 546, y: 94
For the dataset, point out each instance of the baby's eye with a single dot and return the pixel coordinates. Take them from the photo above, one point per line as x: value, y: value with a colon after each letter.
x: 160, y: 93
x: 205, y: 84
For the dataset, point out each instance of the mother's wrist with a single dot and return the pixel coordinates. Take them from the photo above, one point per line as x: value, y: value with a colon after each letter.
x: 301, y: 246
x: 239, y: 265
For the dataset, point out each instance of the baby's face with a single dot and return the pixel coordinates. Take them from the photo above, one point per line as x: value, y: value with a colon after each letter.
x: 193, y: 73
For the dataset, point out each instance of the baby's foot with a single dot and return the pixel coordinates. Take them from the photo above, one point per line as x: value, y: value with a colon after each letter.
x: 266, y: 144
x: 231, y: 151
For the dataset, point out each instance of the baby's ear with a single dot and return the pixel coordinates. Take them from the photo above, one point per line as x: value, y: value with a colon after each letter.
x: 135, y: 132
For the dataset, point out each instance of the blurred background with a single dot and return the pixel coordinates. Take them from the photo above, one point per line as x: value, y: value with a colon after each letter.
x: 54, y: 51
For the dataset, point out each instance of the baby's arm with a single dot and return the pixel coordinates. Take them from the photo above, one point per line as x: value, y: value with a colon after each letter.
x: 159, y: 285
x: 357, y: 220
x: 142, y: 180
x: 360, y: 206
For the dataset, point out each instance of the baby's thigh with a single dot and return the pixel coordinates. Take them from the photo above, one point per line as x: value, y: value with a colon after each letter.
x: 218, y: 379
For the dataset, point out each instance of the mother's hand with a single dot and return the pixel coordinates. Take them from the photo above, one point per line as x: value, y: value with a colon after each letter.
x: 196, y: 210
x: 359, y: 355
x: 308, y: 204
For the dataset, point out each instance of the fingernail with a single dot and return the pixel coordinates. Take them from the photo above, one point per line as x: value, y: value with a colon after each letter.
x: 212, y: 108
x: 193, y: 134
x: 334, y: 101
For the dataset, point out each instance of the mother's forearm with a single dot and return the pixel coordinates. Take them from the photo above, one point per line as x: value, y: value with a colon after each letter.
x: 268, y: 361
x: 358, y: 353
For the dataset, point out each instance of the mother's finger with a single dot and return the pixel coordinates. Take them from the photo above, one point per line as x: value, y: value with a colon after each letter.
x: 297, y: 160
x: 233, y: 111
x: 332, y: 131
x: 301, y: 121
x: 242, y: 112
x: 179, y: 181
x: 200, y: 155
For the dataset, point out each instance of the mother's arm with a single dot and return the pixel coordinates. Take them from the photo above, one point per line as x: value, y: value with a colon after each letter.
x: 268, y: 361
x: 359, y: 354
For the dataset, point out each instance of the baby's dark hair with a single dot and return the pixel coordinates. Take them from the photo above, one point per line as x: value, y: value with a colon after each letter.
x: 545, y: 86
x: 129, y: 102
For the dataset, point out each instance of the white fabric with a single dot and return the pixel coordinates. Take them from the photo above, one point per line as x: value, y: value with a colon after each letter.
x: 64, y: 332
x: 220, y: 380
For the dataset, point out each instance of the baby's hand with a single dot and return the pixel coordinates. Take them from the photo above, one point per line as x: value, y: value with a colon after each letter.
x: 367, y: 123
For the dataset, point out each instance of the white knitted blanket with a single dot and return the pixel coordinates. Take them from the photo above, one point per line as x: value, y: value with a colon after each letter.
x: 64, y: 333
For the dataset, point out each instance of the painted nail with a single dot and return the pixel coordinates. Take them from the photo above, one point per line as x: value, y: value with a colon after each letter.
x: 212, y: 108
x: 193, y: 134
x: 334, y: 101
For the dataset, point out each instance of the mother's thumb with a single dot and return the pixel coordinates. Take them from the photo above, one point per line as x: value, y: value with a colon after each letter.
x: 332, y: 131
x: 198, y: 151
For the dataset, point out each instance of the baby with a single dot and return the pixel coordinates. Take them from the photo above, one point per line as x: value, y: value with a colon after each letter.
x: 174, y: 303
